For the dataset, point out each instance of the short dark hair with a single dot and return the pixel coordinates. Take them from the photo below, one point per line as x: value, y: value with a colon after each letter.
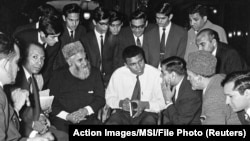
x: 241, y: 80
x: 25, y: 49
x: 6, y: 46
x: 44, y: 10
x: 198, y: 8
x: 50, y: 25
x: 211, y: 33
x: 132, y: 51
x: 164, y: 8
x: 138, y: 14
x: 115, y: 16
x: 71, y: 8
x: 100, y: 13
x: 175, y: 64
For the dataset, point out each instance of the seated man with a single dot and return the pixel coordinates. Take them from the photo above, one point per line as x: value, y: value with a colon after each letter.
x: 78, y: 90
x: 9, y: 123
x: 33, y: 120
x: 237, y: 90
x: 183, y: 103
x: 201, y: 68
x: 135, y: 87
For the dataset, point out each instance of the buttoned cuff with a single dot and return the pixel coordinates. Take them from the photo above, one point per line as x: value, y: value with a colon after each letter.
x: 62, y: 115
x: 90, y: 110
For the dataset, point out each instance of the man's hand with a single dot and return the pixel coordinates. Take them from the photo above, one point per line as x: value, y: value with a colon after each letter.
x: 74, y: 117
x: 45, y: 137
x: 83, y: 112
x: 166, y: 91
x: 141, y: 106
x: 20, y: 97
x: 124, y: 104
x: 40, y: 127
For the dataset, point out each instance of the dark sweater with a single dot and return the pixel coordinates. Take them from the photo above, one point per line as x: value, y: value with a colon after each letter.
x: 72, y: 93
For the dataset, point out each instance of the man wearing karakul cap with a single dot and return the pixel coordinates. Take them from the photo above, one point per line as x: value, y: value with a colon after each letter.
x: 201, y: 67
x: 78, y: 90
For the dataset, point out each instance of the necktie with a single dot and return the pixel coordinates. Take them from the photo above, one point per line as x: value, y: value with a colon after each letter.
x: 102, y: 44
x: 36, y: 107
x: 162, y: 44
x: 71, y: 35
x: 137, y: 90
x: 138, y: 42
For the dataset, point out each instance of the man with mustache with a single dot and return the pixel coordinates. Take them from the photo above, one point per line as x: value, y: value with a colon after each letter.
x: 78, y: 90
x: 34, y: 121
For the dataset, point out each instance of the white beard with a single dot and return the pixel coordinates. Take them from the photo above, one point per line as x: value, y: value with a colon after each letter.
x: 81, y: 73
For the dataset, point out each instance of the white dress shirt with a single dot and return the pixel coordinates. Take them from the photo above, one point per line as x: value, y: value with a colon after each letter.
x: 122, y: 83
x: 98, y: 36
x: 167, y: 29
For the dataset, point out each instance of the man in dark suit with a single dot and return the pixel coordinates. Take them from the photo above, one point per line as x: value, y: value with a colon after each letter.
x: 228, y: 59
x: 135, y: 34
x: 78, y: 90
x: 237, y: 90
x: 9, y: 122
x: 33, y: 119
x: 183, y: 103
x: 167, y: 39
x: 47, y: 35
x: 73, y: 30
x: 99, y: 47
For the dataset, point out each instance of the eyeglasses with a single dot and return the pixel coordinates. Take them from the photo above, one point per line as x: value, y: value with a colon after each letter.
x: 102, y: 23
x: 137, y: 27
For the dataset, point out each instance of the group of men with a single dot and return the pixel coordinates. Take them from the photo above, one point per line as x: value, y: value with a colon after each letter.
x: 138, y: 71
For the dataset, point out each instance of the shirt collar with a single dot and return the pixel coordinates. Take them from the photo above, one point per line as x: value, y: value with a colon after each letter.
x: 248, y: 111
x: 27, y: 74
x: 177, y: 87
x: 166, y: 27
x: 1, y: 84
x: 98, y: 34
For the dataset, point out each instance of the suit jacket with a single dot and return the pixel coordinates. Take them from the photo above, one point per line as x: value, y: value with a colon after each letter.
x: 127, y: 39
x: 187, y: 107
x: 228, y: 60
x: 214, y: 109
x: 28, y: 114
x: 31, y: 35
x: 8, y: 121
x: 175, y: 44
x: 110, y: 53
x: 80, y: 32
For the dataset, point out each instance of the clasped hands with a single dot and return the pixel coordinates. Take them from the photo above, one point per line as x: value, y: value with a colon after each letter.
x: 77, y: 116
x: 42, y: 124
x: 141, y: 106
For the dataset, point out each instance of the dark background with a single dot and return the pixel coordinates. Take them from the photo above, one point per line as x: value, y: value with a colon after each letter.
x: 232, y: 15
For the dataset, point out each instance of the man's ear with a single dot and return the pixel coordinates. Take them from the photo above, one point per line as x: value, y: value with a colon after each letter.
x: 170, y: 17
x: 205, y: 18
x: 247, y: 93
x: 94, y: 22
x: 146, y: 24
x: 64, y: 18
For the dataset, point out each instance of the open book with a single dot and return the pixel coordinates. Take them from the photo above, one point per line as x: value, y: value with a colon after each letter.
x: 45, y: 99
